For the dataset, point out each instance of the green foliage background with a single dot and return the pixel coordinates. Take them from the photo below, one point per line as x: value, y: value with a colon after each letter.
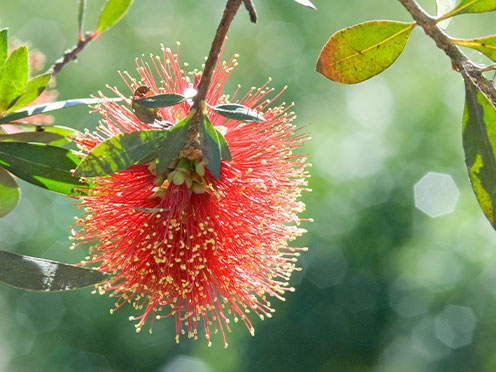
x: 380, y: 278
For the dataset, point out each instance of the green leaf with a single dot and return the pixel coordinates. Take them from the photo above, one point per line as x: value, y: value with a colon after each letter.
x: 9, y: 193
x: 4, y: 46
x: 37, y: 274
x: 169, y: 150
x: 479, y: 144
x: 111, y: 13
x: 81, y: 14
x: 43, y: 165
x: 214, y: 147
x: 471, y: 6
x: 35, y: 87
x: 359, y: 52
x: 238, y: 112
x: 13, y: 77
x: 120, y: 152
x: 47, y: 107
x: 306, y: 3
x: 443, y: 7
x: 485, y: 45
x: 50, y: 134
x: 160, y: 100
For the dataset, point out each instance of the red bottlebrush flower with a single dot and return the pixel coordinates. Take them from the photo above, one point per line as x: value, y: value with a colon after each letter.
x: 198, y: 248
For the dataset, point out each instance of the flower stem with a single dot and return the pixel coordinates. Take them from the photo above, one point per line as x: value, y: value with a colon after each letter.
x: 230, y: 11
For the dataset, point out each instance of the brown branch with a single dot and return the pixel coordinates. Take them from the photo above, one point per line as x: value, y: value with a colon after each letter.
x: 250, y: 7
x: 70, y: 54
x: 468, y: 70
x: 232, y: 7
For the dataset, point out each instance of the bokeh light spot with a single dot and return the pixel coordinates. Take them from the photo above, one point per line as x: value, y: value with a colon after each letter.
x: 183, y: 363
x: 436, y: 194
x: 455, y: 326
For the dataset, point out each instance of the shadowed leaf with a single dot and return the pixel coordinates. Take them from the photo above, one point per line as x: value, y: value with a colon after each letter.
x: 479, y: 144
x: 238, y: 112
x: 214, y: 147
x: 37, y: 274
x: 169, y: 150
x: 359, y: 52
x: 47, y: 107
x: 120, y: 152
x: 49, y: 134
x: 42, y: 165
x: 160, y: 100
x: 9, y: 193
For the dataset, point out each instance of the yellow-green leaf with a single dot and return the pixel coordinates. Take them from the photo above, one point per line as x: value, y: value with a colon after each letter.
x: 111, y: 13
x: 485, y: 45
x: 479, y: 144
x: 3, y: 46
x: 359, y: 52
x: 471, y: 6
x: 9, y: 193
x: 13, y: 77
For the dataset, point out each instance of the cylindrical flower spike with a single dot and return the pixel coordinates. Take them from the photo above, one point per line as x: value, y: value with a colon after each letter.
x: 184, y: 243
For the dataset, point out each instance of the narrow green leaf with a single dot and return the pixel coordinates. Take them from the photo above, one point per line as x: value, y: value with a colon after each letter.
x: 120, y: 152
x: 55, y: 135
x: 9, y: 193
x: 47, y: 107
x: 306, y: 3
x: 35, y: 87
x: 160, y: 100
x: 485, y: 45
x: 81, y: 14
x: 471, y: 6
x: 111, y: 13
x: 37, y: 274
x: 174, y: 142
x: 359, y: 52
x: 238, y: 112
x: 4, y: 46
x: 479, y: 144
x: 214, y: 147
x: 13, y: 77
x: 43, y: 165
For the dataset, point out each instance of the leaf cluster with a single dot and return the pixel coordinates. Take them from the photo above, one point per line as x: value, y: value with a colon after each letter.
x: 359, y: 52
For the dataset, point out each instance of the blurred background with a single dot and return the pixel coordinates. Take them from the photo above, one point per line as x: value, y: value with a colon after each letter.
x: 401, y: 268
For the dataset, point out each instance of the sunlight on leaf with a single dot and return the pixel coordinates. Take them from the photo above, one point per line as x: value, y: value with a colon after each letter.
x: 37, y: 274
x: 9, y: 193
x: 359, y: 52
x: 479, y: 144
x: 120, y: 152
